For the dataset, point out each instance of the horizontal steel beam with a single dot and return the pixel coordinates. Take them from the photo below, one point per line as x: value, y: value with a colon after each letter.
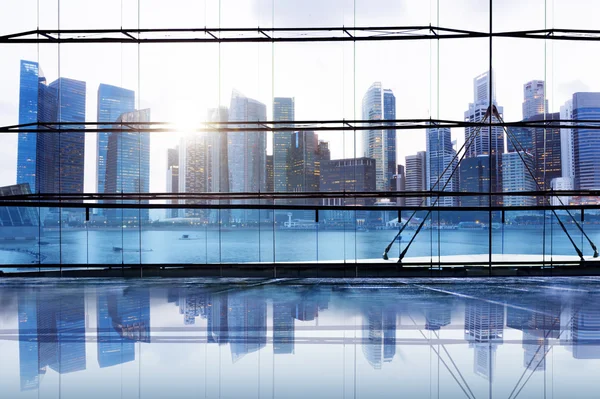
x: 283, y: 35
x: 336, y: 125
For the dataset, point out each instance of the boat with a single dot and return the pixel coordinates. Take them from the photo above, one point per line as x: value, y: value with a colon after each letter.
x: 117, y: 249
x: 186, y: 237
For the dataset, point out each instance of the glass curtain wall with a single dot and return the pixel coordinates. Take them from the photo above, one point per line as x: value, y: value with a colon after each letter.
x: 226, y: 132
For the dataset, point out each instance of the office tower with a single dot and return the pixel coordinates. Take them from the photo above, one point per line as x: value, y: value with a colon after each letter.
x: 304, y: 159
x: 217, y: 158
x: 534, y: 95
x: 379, y: 335
x: 349, y: 175
x: 60, y: 157
x: 474, y: 177
x: 561, y: 184
x: 30, y: 79
x: 547, y: 150
x: 270, y: 174
x: 566, y: 142
x: 416, y: 176
x: 479, y: 143
x: 441, y: 158
x: 113, y: 101
x: 247, y: 157
x: 520, y: 139
x: 438, y: 315
x: 128, y: 166
x: 172, y: 178
x: 283, y: 111
x: 586, y: 142
x: 484, y: 329
x: 283, y: 328
x: 247, y: 323
x: 398, y: 184
x: 516, y: 177
x: 193, y: 173
x: 380, y: 144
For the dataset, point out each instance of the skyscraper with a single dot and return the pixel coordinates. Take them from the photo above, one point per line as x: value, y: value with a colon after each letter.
x: 128, y: 166
x: 30, y: 79
x: 193, y: 173
x: 547, y: 150
x: 113, y: 101
x: 586, y: 142
x: 283, y: 111
x: 247, y: 156
x: 479, y: 143
x: 172, y: 178
x: 439, y: 156
x: 566, y: 142
x: 60, y: 157
x: 534, y: 94
x: 517, y: 177
x: 379, y: 144
x: 416, y: 176
x: 474, y: 177
x: 350, y: 175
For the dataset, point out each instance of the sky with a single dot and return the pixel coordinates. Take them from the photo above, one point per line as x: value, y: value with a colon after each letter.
x: 178, y: 82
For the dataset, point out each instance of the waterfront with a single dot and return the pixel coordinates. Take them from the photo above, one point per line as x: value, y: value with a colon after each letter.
x: 238, y: 245
x: 238, y: 338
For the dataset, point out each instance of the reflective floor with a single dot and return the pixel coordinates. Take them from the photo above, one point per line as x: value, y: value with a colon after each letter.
x: 315, y: 338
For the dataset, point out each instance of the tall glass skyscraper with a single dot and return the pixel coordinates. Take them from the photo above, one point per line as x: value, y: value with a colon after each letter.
x: 480, y: 142
x: 439, y: 155
x: 379, y: 104
x: 283, y: 111
x: 28, y: 113
x: 534, y: 94
x: 113, y: 101
x: 586, y: 142
x: 247, y: 150
x: 128, y: 166
x: 60, y: 157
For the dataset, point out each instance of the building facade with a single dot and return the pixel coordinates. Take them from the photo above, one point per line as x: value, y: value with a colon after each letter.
x: 474, y: 178
x: 380, y: 144
x: 172, y: 178
x: 534, y: 98
x: 586, y: 142
x: 283, y: 111
x: 128, y: 167
x: 113, y: 101
x: 440, y: 167
x: 416, y: 177
x: 29, y: 81
x: 518, y: 178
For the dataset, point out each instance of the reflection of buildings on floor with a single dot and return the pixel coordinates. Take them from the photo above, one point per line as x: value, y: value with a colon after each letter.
x: 283, y: 328
x: 438, y: 315
x: 123, y: 319
x: 585, y: 329
x: 247, y: 320
x: 484, y: 329
x: 379, y: 335
x: 51, y: 331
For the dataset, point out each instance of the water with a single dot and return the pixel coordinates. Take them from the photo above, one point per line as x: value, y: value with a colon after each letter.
x: 247, y: 338
x: 277, y: 245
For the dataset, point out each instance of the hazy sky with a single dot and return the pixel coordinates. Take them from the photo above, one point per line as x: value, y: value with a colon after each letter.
x: 180, y: 81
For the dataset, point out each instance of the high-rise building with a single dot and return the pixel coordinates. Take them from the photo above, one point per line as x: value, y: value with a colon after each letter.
x: 172, y: 178
x: 217, y: 157
x: 270, y: 174
x: 379, y: 334
x: 60, y: 157
x: 547, y: 150
x: 128, y: 166
x: 113, y: 101
x: 535, y: 102
x: 380, y: 144
x: 474, y: 177
x: 399, y: 184
x: 416, y: 176
x: 517, y: 177
x: 349, y: 175
x: 283, y: 328
x: 194, y: 174
x: 566, y: 142
x: 247, y: 156
x: 247, y: 323
x: 30, y: 79
x: 586, y: 142
x: 478, y: 139
x: 283, y: 111
x: 484, y: 329
x: 441, y: 158
x: 18, y: 222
